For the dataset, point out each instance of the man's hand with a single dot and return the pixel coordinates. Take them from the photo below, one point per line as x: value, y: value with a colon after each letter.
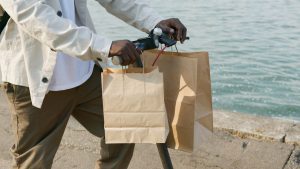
x: 174, y: 28
x: 124, y: 49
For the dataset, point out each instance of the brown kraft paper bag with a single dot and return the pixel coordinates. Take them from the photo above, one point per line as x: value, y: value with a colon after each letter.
x: 188, y: 98
x: 133, y: 103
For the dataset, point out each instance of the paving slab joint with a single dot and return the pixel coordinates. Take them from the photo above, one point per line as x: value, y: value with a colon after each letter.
x: 289, y: 157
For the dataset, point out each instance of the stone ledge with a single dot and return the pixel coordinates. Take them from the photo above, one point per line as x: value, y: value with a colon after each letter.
x: 258, y: 127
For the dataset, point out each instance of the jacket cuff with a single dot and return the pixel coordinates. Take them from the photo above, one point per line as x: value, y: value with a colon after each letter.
x: 100, y: 48
x: 153, y: 22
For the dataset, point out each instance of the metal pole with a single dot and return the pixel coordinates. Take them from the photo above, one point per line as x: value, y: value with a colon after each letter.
x: 164, y: 155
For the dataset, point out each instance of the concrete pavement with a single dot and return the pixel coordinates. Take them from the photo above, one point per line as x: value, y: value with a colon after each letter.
x: 249, y: 145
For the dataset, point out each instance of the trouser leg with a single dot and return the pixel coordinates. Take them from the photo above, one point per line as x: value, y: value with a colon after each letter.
x: 89, y: 113
x: 37, y: 132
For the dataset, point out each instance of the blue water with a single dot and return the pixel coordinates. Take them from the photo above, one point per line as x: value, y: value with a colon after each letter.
x: 254, y: 48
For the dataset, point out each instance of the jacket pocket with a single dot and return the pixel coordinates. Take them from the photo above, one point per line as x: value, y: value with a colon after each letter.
x: 21, y: 94
x: 16, y: 94
x: 10, y: 91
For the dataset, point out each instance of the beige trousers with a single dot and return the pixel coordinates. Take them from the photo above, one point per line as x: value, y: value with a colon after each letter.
x: 38, y: 132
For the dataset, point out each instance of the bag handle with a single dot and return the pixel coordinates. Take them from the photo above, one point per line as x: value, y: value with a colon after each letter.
x: 144, y: 78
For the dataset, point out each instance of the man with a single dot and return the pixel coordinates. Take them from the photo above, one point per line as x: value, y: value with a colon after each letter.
x: 48, y: 53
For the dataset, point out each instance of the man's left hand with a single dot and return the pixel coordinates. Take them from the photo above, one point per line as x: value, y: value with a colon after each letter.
x: 174, y: 28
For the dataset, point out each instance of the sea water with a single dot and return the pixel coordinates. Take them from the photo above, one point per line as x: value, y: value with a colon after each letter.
x: 254, y: 48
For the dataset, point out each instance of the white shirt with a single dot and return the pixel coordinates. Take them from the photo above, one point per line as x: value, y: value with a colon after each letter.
x: 69, y: 72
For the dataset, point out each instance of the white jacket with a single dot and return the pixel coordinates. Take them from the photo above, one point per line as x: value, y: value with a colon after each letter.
x: 36, y: 31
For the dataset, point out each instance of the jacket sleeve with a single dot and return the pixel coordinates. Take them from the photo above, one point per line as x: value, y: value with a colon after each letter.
x: 134, y: 12
x: 42, y: 22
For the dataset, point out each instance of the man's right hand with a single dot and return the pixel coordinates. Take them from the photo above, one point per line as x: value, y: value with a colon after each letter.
x: 126, y: 50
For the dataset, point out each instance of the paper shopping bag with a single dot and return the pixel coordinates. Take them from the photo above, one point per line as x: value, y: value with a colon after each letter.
x: 188, y: 98
x: 133, y: 103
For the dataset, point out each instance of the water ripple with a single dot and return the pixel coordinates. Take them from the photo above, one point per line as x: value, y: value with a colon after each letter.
x: 254, y: 49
